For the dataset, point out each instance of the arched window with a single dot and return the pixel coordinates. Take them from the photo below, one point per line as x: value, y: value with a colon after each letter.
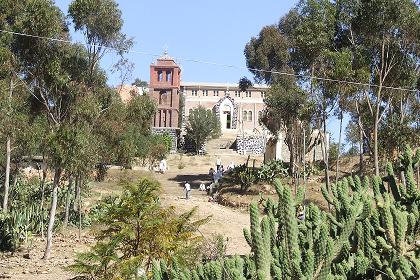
x: 245, y: 116
x: 250, y: 116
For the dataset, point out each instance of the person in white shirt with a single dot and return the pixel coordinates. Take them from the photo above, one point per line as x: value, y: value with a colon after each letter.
x: 218, y: 163
x: 187, y: 188
x: 163, y: 166
x: 231, y: 166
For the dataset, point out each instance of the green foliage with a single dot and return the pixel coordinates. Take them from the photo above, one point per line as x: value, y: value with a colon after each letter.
x: 25, y: 218
x: 139, y: 83
x: 202, y: 125
x: 371, y: 232
x: 273, y: 169
x: 334, y: 151
x: 133, y: 230
x: 244, y: 175
x: 214, y: 248
x: 244, y: 83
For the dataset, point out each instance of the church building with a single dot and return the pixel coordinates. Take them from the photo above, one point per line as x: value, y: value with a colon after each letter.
x: 238, y: 111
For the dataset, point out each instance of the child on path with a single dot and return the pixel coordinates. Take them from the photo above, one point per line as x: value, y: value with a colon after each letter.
x: 187, y: 188
x: 163, y: 166
x: 218, y: 163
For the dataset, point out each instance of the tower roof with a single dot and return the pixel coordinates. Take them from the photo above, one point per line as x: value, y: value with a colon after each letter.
x: 165, y: 56
x: 166, y: 60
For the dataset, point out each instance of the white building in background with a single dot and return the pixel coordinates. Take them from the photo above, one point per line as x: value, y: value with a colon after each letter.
x: 239, y: 111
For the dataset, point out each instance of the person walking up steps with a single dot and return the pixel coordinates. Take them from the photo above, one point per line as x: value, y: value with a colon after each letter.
x: 218, y: 163
x: 187, y: 188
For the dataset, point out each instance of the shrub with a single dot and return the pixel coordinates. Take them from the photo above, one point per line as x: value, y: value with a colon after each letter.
x: 25, y: 217
x: 243, y: 175
x: 272, y: 170
x: 133, y: 230
x: 181, y: 165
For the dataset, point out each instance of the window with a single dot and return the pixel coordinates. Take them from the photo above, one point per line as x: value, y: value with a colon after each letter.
x: 189, y: 111
x: 168, y: 76
x: 163, y: 97
x: 259, y: 115
x: 237, y: 93
x: 215, y: 93
x: 205, y: 92
x: 245, y: 116
x: 248, y: 94
x: 160, y: 76
x: 249, y: 115
x: 226, y: 92
x: 263, y: 94
x: 194, y: 92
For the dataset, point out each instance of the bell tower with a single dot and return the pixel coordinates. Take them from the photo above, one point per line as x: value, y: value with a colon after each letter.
x: 165, y: 78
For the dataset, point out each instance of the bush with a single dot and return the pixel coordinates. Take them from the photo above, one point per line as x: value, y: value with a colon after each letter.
x: 214, y: 248
x: 272, y: 170
x: 243, y: 175
x: 25, y: 217
x: 133, y: 230
x: 181, y: 165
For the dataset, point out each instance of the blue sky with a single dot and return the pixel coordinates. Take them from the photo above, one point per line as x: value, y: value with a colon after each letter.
x: 215, y: 31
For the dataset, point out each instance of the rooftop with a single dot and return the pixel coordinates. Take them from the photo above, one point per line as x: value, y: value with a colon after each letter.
x: 220, y: 85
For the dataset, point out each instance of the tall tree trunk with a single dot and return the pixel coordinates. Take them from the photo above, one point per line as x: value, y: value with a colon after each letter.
x: 326, y: 148
x: 8, y: 153
x: 375, y: 147
x: 76, y: 194
x: 44, y: 177
x: 56, y: 183
x: 339, y: 148
x: 80, y: 206
x: 304, y: 162
x: 68, y: 199
x: 7, y: 177
x: 361, y: 148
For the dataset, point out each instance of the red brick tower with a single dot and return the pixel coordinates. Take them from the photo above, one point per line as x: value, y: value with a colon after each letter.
x: 164, y: 88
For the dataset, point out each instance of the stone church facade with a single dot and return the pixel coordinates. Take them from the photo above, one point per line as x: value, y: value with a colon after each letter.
x: 239, y: 111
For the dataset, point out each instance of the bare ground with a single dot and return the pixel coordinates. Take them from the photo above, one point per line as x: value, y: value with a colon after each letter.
x: 66, y: 245
x: 224, y: 220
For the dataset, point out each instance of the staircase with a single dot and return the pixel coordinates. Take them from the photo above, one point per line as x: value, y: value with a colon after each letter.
x: 221, y: 146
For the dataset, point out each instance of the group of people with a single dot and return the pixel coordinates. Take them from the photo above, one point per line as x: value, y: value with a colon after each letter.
x: 215, y: 175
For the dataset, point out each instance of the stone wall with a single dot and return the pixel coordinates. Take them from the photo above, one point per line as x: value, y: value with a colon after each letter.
x: 173, y: 132
x: 250, y: 144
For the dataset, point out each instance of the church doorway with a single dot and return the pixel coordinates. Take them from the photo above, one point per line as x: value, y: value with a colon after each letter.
x: 226, y: 116
x: 228, y: 120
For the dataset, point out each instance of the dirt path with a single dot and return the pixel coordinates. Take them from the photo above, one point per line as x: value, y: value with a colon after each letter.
x: 226, y: 221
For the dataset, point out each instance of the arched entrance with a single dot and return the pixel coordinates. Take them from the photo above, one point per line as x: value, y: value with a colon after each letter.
x: 226, y: 116
x: 227, y: 110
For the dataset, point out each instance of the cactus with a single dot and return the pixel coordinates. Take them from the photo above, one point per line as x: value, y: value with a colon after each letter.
x: 371, y: 232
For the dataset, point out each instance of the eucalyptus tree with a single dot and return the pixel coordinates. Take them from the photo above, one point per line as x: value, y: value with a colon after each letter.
x: 298, y: 46
x: 383, y: 36
x: 100, y: 22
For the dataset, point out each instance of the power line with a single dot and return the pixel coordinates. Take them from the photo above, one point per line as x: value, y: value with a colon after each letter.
x: 215, y: 63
